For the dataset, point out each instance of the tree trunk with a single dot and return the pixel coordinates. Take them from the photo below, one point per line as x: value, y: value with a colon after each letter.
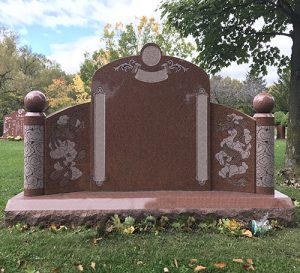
x: 293, y: 139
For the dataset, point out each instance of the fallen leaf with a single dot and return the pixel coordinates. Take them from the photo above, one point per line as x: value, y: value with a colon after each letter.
x: 80, y: 268
x: 192, y: 262
x: 93, y: 265
x: 296, y: 203
x: 248, y: 267
x: 240, y: 261
x: 166, y: 270
x: 2, y: 270
x: 199, y: 268
x: 219, y: 265
x: 249, y: 261
x: 247, y: 233
x: 96, y: 241
x: 56, y: 269
x: 62, y: 228
x: 53, y: 228
x: 175, y: 263
x: 139, y: 263
x: 129, y: 230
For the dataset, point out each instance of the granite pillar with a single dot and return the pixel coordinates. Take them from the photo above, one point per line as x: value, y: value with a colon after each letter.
x: 263, y: 104
x: 34, y: 130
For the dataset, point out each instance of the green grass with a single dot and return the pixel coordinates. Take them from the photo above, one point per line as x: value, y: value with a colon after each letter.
x: 11, y: 171
x: 45, y: 251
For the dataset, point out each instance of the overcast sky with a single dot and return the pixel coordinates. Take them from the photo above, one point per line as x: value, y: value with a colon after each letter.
x: 64, y: 30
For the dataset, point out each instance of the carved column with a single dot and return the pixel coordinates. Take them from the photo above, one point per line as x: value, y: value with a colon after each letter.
x: 263, y: 104
x: 34, y: 128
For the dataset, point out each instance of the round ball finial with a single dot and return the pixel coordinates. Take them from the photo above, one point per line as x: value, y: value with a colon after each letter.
x: 35, y: 101
x: 151, y: 54
x: 263, y: 103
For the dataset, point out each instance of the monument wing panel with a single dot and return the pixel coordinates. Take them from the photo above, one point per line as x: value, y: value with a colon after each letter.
x: 67, y: 150
x: 233, y: 149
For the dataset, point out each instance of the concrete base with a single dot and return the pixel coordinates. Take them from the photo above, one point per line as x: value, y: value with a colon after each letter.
x: 90, y: 208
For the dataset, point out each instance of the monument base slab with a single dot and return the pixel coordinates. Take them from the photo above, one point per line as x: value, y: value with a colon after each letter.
x: 90, y: 208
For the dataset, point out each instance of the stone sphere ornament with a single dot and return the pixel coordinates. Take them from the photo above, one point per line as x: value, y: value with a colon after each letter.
x: 263, y: 103
x: 35, y: 101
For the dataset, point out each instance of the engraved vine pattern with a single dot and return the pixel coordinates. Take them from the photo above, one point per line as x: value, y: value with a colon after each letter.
x: 63, y: 150
x: 126, y: 67
x: 99, y: 90
x: 264, y: 156
x: 176, y: 67
x: 235, y: 149
x: 133, y: 66
x: 33, y: 157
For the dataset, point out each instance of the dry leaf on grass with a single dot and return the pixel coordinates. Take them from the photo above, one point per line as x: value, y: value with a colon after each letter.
x: 139, y: 263
x: 53, y: 228
x: 239, y: 261
x: 80, y: 267
x: 175, y: 263
x: 219, y: 265
x: 192, y: 262
x: 93, y: 265
x: 248, y: 233
x: 96, y: 241
x: 166, y: 270
x: 56, y: 269
x: 249, y: 261
x: 2, y: 270
x: 248, y: 267
x: 199, y: 268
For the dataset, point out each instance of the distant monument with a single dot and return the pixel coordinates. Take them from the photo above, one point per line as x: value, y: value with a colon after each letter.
x: 150, y: 141
x: 13, y: 124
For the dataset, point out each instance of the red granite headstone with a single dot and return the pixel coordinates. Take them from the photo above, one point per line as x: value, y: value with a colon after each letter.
x: 13, y: 124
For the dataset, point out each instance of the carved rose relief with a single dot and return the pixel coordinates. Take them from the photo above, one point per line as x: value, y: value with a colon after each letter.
x: 63, y: 150
x: 235, y: 149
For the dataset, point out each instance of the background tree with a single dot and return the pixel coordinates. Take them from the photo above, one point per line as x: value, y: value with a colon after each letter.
x: 122, y: 41
x: 236, y: 94
x: 60, y: 94
x: 252, y: 85
x: 240, y: 31
x: 21, y: 70
x: 225, y: 90
x: 280, y: 91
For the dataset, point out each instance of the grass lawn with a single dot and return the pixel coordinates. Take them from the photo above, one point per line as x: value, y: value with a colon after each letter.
x: 44, y: 251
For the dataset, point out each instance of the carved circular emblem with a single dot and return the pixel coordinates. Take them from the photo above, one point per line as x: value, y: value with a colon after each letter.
x: 151, y: 54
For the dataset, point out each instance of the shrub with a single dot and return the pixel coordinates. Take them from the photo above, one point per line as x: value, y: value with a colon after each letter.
x: 281, y: 118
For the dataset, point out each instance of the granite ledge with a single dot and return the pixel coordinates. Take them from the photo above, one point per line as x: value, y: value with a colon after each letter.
x: 90, y: 208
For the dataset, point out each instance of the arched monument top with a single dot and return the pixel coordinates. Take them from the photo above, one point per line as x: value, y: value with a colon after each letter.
x: 151, y: 66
